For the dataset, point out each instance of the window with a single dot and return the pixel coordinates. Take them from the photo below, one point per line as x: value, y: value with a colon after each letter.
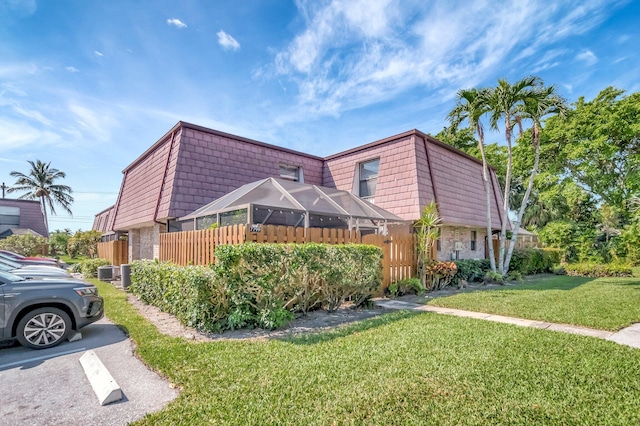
x: 438, y: 243
x: 368, y: 176
x: 474, y: 237
x: 9, y: 217
x: 292, y: 173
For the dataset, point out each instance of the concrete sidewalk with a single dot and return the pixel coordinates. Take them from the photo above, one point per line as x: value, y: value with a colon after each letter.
x: 629, y: 336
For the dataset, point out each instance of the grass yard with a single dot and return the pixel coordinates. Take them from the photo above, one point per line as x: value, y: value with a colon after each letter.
x: 603, y: 303
x: 400, y: 368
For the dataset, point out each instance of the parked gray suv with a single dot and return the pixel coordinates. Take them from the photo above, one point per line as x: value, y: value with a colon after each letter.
x: 41, y: 313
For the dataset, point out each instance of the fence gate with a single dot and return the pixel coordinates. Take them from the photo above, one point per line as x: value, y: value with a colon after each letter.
x: 398, y: 256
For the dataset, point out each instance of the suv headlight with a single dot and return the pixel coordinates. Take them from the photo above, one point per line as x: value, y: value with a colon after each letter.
x: 86, y: 291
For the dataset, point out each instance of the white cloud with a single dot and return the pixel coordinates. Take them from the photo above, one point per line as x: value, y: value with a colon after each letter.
x: 72, y: 69
x: 176, y: 23
x: 32, y: 115
x: 357, y: 53
x: 587, y: 57
x: 227, y: 42
x: 95, y: 123
x: 17, y: 70
x: 97, y: 53
x: 19, y: 134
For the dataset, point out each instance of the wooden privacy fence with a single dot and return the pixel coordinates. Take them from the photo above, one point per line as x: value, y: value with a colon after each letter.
x: 116, y: 252
x: 197, y: 247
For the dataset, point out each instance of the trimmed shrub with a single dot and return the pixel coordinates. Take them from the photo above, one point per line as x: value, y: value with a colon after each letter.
x: 408, y: 286
x: 89, y: 268
x: 260, y: 285
x: 596, y: 270
x: 471, y: 270
x: 534, y: 261
x: 192, y: 293
x: 26, y: 245
x: 266, y: 280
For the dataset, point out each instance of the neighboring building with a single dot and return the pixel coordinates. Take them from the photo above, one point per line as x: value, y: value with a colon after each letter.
x: 18, y: 217
x: 191, y: 165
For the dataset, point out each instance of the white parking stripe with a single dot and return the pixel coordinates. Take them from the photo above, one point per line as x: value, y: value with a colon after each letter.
x: 40, y: 358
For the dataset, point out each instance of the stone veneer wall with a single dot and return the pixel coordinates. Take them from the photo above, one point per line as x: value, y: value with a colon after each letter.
x: 144, y: 243
x: 449, y: 235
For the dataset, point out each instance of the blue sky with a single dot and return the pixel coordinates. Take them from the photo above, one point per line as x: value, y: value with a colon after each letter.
x: 89, y: 85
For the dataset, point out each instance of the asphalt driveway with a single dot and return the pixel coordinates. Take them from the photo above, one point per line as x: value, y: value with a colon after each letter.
x: 49, y: 386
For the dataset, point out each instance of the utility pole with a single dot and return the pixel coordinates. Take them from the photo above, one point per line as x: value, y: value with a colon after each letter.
x: 3, y: 188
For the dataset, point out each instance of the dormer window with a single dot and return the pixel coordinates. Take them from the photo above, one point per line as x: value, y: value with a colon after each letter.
x: 368, y: 176
x: 292, y: 173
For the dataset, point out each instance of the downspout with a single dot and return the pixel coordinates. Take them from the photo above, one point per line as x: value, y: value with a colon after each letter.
x: 164, y: 179
x: 433, y: 182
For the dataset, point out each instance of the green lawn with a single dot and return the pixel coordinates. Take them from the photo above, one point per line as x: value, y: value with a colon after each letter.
x: 603, y: 303
x: 72, y: 260
x: 400, y: 368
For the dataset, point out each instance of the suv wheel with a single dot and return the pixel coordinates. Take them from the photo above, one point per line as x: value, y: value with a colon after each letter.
x: 43, y: 328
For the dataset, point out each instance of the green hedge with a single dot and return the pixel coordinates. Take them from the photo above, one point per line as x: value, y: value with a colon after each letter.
x: 534, y: 261
x: 260, y: 285
x: 89, y: 268
x: 599, y: 270
x: 193, y: 294
x: 471, y: 270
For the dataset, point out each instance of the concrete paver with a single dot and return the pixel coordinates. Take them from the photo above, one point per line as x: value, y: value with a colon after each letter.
x: 629, y: 336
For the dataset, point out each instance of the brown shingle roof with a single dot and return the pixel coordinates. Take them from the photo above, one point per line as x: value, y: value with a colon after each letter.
x: 192, y: 165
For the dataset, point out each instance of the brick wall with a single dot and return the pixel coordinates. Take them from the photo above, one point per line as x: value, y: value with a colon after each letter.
x: 452, y: 234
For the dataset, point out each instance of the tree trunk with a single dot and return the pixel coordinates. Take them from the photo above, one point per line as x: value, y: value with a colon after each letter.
x: 505, y: 206
x: 525, y: 199
x: 487, y: 190
x: 43, y: 207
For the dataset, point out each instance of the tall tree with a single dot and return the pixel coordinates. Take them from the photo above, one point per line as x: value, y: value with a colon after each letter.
x: 40, y: 185
x: 598, y: 147
x: 471, y: 105
x: 504, y: 102
x: 539, y: 103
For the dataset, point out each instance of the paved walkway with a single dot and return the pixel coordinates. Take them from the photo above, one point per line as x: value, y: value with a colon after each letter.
x: 629, y: 336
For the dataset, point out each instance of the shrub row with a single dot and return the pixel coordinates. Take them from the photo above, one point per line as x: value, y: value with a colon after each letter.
x: 534, y: 260
x: 260, y: 285
x: 598, y: 270
x: 89, y: 267
x: 471, y: 270
x: 192, y: 293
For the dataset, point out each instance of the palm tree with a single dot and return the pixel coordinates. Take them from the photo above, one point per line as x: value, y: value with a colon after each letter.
x: 471, y: 105
x: 504, y: 103
x: 541, y: 102
x: 39, y: 184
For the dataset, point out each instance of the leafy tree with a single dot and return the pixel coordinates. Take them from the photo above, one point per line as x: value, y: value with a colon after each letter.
x: 59, y: 241
x: 536, y: 104
x: 39, y: 184
x: 84, y: 243
x: 598, y: 147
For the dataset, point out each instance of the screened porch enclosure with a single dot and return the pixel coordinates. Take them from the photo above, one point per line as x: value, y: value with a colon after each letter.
x: 285, y: 203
